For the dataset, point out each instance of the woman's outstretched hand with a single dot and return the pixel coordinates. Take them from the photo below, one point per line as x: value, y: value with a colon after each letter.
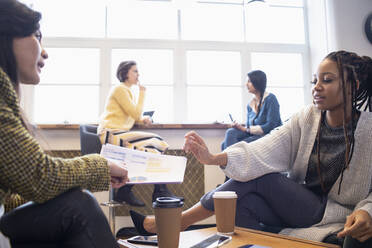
x: 119, y: 175
x: 358, y: 225
x: 196, y: 145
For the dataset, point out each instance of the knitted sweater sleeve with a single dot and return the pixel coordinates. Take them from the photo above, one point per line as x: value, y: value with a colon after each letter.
x: 36, y: 176
x: 366, y: 204
x: 363, y: 140
x: 274, y: 152
x: 125, y: 99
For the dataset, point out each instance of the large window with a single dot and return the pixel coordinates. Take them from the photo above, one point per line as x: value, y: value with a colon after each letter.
x: 71, y: 18
x: 155, y: 67
x: 213, y: 22
x: 69, y: 87
x: 276, y: 24
x: 141, y: 19
x: 284, y: 78
x: 192, y: 56
x: 213, y: 85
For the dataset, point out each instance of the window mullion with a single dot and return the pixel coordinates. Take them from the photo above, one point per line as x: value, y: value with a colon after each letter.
x: 246, y: 67
x: 180, y: 85
x: 105, y: 74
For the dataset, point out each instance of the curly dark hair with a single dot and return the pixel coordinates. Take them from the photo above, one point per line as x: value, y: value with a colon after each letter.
x: 16, y: 21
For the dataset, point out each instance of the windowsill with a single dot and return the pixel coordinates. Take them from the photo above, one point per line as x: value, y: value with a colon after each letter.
x: 137, y: 127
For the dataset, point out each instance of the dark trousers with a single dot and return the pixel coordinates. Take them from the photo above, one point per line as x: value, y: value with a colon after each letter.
x: 353, y: 243
x: 72, y: 219
x: 272, y: 202
x: 347, y: 242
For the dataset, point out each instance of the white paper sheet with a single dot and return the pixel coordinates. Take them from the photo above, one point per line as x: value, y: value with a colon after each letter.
x: 146, y: 167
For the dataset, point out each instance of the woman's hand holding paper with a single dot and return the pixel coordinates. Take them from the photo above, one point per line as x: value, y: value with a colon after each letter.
x: 118, y: 173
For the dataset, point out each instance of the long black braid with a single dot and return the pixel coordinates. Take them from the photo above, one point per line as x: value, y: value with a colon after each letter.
x: 358, y: 72
x: 258, y: 107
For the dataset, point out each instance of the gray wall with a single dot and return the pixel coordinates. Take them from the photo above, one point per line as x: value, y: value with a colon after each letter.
x: 337, y: 25
x: 346, y: 25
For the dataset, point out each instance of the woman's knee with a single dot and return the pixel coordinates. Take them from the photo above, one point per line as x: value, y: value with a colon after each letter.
x: 88, y: 203
x: 83, y: 213
x: 207, y: 200
x: 81, y: 202
x: 233, y: 136
x: 230, y: 185
x: 231, y: 132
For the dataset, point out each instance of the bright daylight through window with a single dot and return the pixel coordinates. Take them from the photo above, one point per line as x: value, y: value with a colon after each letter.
x: 193, y: 56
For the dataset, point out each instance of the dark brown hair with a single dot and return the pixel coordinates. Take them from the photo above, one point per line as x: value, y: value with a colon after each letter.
x: 16, y: 21
x: 258, y: 79
x: 123, y: 68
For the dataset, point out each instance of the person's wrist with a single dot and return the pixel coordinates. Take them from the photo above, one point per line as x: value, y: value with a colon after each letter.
x: 218, y: 159
x: 247, y: 129
x: 211, y: 159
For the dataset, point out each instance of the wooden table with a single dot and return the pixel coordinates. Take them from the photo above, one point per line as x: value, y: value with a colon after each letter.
x: 244, y: 236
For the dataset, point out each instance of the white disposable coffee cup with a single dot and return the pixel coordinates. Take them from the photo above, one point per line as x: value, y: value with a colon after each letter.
x: 225, y: 209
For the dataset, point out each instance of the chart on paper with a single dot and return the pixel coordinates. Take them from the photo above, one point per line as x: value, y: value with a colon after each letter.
x: 146, y: 167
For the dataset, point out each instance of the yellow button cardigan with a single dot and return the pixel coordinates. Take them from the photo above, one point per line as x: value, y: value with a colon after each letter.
x: 121, y: 110
x: 24, y: 167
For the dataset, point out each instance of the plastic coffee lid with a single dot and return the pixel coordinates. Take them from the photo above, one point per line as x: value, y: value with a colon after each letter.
x: 224, y: 194
x: 167, y: 202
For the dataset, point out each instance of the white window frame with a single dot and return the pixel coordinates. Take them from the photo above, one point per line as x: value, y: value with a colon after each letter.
x: 180, y: 48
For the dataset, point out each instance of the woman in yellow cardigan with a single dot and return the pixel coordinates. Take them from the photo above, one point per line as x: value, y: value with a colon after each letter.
x: 121, y: 112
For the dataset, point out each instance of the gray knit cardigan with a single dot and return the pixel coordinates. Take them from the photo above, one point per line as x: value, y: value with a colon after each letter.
x: 288, y: 149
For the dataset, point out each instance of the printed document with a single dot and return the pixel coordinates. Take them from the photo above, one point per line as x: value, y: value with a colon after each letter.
x: 146, y: 167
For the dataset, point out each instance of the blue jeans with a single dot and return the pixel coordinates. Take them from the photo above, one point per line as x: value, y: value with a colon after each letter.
x: 272, y: 202
x: 234, y: 135
x: 73, y: 219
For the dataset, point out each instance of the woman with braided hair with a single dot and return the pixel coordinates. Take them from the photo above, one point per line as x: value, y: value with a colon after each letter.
x: 325, y: 193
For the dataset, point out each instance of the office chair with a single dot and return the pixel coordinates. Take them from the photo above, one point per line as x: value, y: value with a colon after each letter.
x: 89, y: 140
x: 90, y: 143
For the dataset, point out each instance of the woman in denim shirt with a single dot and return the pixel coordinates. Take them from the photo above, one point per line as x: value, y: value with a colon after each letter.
x: 262, y: 113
